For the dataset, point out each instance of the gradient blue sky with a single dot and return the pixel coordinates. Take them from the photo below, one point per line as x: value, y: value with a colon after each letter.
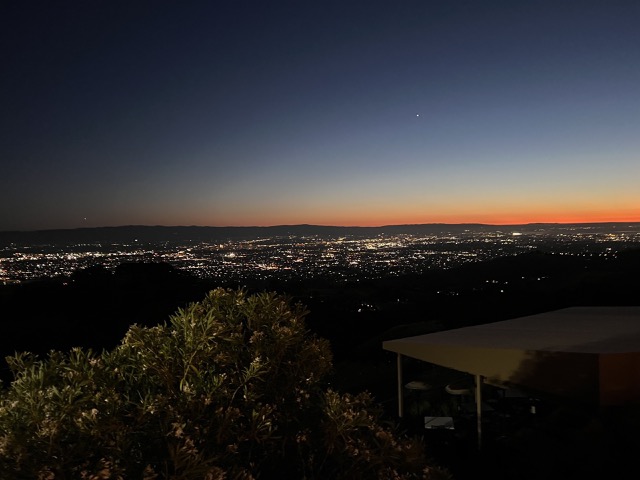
x: 325, y: 112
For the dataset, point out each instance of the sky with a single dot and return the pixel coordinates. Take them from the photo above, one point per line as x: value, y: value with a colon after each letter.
x: 238, y: 112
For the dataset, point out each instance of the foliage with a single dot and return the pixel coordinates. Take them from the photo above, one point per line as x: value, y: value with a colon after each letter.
x: 231, y: 387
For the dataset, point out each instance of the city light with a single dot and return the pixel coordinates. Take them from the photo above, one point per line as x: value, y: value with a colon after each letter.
x: 294, y: 257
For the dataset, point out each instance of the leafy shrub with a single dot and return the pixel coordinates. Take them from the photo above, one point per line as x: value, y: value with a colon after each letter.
x: 231, y: 387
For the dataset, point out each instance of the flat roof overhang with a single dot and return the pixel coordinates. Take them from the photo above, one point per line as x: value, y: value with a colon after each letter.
x: 588, y: 353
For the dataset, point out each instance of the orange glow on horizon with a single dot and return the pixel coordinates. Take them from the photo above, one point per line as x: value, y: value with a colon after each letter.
x: 497, y: 220
x: 352, y: 220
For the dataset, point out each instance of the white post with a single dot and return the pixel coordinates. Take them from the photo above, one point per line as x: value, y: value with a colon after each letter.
x: 479, y: 409
x: 400, y: 388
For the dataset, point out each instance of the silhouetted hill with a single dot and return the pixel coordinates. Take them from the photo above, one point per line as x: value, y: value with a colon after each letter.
x: 129, y: 234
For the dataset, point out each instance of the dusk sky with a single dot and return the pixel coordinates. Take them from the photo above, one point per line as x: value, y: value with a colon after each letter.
x: 323, y: 112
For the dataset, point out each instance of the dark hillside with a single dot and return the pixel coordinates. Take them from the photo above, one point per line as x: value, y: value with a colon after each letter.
x: 93, y: 308
x: 509, y: 287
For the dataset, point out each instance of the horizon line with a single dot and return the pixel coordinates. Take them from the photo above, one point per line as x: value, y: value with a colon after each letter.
x: 324, y: 225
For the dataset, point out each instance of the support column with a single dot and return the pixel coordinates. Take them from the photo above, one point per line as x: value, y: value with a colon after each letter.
x: 479, y: 409
x: 400, y: 387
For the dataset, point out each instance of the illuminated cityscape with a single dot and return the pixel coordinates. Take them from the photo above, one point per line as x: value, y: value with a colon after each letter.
x: 346, y: 257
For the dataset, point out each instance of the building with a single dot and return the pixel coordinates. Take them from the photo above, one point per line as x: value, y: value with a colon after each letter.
x: 587, y: 354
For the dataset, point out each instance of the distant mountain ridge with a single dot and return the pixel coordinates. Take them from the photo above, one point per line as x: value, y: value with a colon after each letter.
x: 145, y: 234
